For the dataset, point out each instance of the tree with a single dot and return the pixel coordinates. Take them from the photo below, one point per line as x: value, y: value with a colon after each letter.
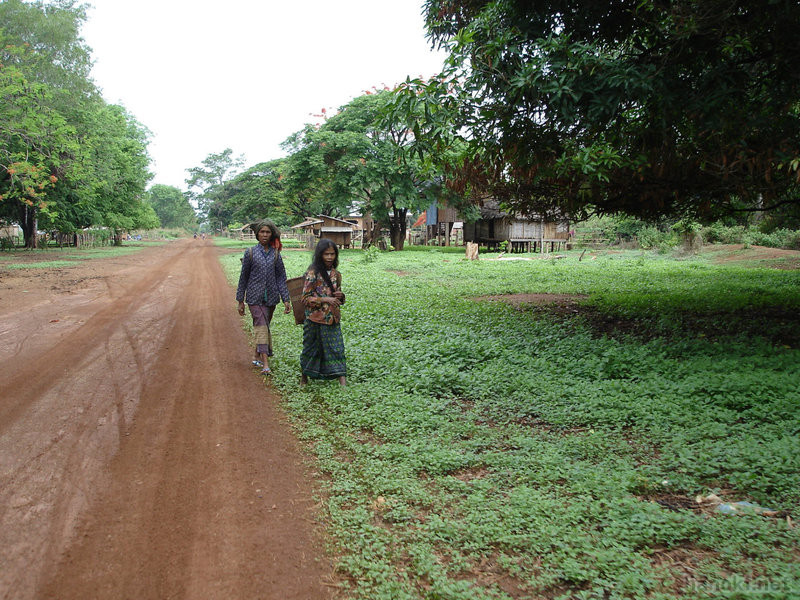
x: 67, y: 160
x: 648, y: 108
x: 206, y: 186
x: 120, y: 171
x: 57, y: 55
x: 259, y: 192
x: 355, y: 158
x: 34, y: 138
x: 171, y: 206
x: 44, y: 79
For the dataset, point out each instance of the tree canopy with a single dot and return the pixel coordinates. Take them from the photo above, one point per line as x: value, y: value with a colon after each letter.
x: 68, y: 160
x: 648, y: 108
x: 171, y: 206
x: 355, y: 160
x: 206, y: 185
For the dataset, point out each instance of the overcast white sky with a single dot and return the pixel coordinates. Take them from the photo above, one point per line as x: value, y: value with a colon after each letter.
x: 207, y: 75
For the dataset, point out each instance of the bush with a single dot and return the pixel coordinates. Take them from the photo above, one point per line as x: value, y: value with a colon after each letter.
x: 371, y: 254
x: 651, y: 238
x: 780, y: 238
x: 717, y: 233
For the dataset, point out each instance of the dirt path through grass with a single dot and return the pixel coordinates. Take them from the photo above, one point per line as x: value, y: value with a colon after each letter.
x: 140, y: 456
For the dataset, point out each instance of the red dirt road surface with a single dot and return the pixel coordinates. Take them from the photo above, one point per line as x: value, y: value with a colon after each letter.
x: 140, y: 455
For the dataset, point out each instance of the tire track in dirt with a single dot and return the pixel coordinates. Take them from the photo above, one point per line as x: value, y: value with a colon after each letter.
x: 161, y: 467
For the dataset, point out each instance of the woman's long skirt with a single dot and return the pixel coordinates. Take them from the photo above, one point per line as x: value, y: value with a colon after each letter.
x: 262, y: 316
x: 323, y: 351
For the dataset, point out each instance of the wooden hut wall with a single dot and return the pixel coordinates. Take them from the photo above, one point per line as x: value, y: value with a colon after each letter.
x: 341, y: 239
x: 556, y: 230
x: 526, y: 230
x: 447, y: 214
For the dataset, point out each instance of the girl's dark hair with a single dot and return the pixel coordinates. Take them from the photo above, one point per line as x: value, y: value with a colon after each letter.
x: 317, y: 264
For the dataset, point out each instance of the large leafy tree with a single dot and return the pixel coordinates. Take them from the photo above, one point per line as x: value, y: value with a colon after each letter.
x: 171, y: 206
x: 646, y: 107
x: 68, y: 159
x: 207, y: 186
x: 120, y: 171
x: 33, y: 140
x: 44, y: 67
x: 355, y: 159
x: 258, y: 192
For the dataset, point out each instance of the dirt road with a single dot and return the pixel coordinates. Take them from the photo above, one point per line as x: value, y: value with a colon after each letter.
x: 140, y: 456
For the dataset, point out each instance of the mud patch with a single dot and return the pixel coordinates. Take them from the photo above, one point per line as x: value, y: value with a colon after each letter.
x: 754, y: 256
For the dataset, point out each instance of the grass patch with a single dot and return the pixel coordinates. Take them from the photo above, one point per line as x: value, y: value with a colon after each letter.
x: 45, y: 264
x: 55, y: 258
x: 486, y: 451
x: 233, y: 243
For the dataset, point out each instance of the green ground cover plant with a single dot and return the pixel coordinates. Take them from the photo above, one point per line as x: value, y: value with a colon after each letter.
x: 485, y: 450
x: 235, y: 243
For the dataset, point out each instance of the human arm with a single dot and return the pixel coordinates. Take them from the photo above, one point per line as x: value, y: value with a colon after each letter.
x: 315, y: 292
x: 244, y: 277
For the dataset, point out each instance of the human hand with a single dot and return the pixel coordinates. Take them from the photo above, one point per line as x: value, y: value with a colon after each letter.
x: 240, y: 310
x: 338, y: 294
x: 287, y: 308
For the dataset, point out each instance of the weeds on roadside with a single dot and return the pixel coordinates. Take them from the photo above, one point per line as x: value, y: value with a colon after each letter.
x: 483, y: 451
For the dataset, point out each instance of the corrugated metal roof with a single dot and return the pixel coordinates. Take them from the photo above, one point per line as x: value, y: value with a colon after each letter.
x: 306, y: 223
x: 336, y: 229
x: 333, y: 218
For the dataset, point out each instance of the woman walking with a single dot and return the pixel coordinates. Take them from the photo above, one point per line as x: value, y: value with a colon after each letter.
x: 262, y: 283
x: 323, y: 346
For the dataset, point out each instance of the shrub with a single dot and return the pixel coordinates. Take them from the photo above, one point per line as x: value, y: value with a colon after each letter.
x: 717, y: 233
x: 371, y: 254
x: 779, y: 238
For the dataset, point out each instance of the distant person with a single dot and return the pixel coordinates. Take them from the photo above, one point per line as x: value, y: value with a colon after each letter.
x: 262, y: 284
x: 323, y: 346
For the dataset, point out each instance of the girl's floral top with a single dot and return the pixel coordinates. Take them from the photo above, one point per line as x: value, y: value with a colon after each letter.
x: 315, y: 287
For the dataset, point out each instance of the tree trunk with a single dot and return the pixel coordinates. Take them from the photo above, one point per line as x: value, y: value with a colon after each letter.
x: 372, y: 231
x: 692, y: 242
x: 29, y: 223
x: 397, y: 227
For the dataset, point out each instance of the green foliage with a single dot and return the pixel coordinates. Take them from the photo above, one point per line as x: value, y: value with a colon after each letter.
x: 778, y: 238
x: 172, y: 207
x: 478, y: 443
x: 259, y: 192
x: 371, y: 254
x: 717, y: 233
x: 643, y: 108
x: 68, y: 160
x: 206, y: 185
x: 355, y: 158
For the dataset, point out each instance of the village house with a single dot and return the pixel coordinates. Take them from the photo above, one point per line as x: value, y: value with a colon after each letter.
x: 523, y: 233
x: 337, y: 230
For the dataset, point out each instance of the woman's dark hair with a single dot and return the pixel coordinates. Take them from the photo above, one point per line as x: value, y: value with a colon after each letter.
x: 317, y: 264
x: 258, y: 225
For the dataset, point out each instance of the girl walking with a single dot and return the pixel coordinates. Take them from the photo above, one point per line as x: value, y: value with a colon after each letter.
x: 323, y: 346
